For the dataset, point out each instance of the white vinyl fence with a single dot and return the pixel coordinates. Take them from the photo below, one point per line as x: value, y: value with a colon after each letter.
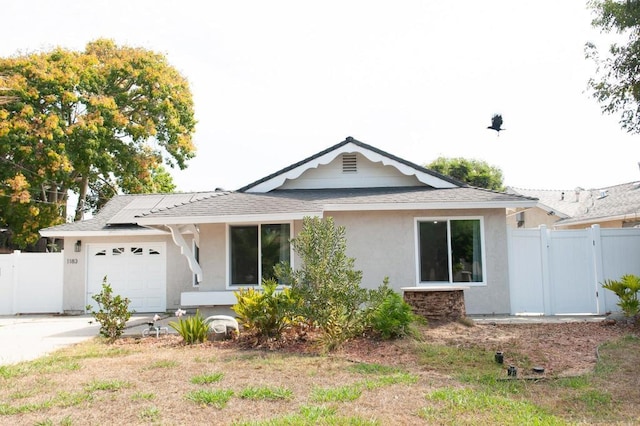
x: 556, y: 272
x: 30, y: 283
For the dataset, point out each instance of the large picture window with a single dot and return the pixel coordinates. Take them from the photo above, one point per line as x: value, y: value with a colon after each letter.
x: 256, y: 249
x: 450, y: 251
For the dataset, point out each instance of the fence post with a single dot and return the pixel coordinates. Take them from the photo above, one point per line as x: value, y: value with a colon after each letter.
x: 15, y: 265
x: 546, y: 274
x: 598, y: 268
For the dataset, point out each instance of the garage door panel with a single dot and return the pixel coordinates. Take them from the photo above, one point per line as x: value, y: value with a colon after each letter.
x: 135, y: 271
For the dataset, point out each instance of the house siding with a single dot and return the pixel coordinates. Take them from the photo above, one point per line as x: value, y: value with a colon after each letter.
x: 390, y: 252
x: 213, y: 257
x: 533, y: 218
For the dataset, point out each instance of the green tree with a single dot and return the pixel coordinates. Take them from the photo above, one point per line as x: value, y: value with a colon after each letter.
x: 617, y: 83
x: 476, y: 173
x: 78, y: 120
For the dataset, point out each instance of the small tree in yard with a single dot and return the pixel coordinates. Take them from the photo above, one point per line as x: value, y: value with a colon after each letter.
x: 327, y: 283
x: 113, y: 312
x: 329, y: 289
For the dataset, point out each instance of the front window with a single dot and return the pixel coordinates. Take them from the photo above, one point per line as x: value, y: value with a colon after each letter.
x: 450, y: 250
x: 255, y: 250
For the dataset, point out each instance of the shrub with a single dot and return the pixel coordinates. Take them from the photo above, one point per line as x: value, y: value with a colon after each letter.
x: 392, y: 317
x: 626, y: 289
x: 388, y: 315
x: 265, y: 312
x: 327, y: 282
x: 113, y: 312
x: 192, y: 329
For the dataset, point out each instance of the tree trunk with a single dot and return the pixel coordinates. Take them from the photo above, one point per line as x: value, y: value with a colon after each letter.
x: 82, y: 196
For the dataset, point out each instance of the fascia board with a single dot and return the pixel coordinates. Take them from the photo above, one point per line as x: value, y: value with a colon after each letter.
x: 247, y: 218
x: 424, y: 206
x: 350, y: 147
x: 592, y: 220
x: 142, y: 232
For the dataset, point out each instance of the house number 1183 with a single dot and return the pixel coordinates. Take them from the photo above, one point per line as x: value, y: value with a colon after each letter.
x: 72, y: 261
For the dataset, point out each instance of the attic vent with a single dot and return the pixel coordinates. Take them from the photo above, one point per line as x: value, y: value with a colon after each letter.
x: 349, y: 163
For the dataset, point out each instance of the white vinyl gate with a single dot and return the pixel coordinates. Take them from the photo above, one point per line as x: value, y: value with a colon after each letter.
x: 30, y: 283
x: 555, y: 272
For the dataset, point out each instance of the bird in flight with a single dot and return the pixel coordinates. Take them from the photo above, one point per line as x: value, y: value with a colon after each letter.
x: 496, y: 123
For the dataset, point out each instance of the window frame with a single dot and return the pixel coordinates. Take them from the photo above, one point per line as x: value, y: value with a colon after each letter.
x: 229, y: 284
x: 449, y: 283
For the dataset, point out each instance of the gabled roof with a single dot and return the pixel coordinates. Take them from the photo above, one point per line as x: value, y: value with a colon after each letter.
x: 580, y: 206
x: 426, y: 176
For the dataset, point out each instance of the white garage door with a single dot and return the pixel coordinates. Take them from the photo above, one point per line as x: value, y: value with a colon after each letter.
x: 134, y: 270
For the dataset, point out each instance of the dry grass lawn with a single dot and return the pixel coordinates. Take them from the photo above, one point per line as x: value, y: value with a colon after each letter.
x: 448, y: 377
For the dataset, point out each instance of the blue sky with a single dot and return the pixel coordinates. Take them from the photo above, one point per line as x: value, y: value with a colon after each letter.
x: 275, y: 82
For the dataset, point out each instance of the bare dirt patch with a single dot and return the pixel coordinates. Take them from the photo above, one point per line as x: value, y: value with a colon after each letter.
x: 562, y: 349
x: 147, y: 380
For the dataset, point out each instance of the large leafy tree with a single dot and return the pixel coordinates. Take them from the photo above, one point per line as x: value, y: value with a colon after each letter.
x: 76, y: 121
x: 617, y: 83
x: 474, y: 172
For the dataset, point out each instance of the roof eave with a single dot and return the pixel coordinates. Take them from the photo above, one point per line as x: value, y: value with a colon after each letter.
x: 241, y: 218
x: 102, y: 233
x: 463, y: 205
x: 593, y: 220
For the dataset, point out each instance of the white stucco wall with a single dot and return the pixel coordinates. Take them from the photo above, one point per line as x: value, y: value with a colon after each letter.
x: 383, y: 244
x: 213, y: 257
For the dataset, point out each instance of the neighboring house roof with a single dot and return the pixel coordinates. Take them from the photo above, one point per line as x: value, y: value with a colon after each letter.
x: 580, y: 206
x: 562, y: 203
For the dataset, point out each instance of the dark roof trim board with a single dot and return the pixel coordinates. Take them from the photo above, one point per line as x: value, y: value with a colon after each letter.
x: 429, y: 177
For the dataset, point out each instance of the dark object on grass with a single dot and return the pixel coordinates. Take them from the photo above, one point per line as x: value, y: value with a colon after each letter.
x: 499, y: 357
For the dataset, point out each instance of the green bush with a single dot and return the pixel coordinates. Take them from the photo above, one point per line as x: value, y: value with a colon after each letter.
x: 327, y: 282
x: 267, y: 312
x: 192, y: 329
x: 113, y: 312
x: 392, y: 317
x: 626, y: 289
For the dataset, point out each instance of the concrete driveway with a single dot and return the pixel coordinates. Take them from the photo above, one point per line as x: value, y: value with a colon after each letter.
x: 27, y: 337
